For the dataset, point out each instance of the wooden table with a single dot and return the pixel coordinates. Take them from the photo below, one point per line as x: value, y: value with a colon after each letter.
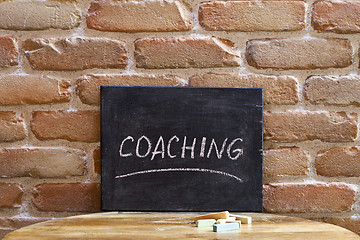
x: 175, y: 226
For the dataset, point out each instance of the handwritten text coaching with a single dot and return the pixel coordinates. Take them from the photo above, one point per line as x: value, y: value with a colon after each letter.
x: 176, y: 147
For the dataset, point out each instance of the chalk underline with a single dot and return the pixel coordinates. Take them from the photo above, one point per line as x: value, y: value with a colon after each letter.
x: 180, y: 170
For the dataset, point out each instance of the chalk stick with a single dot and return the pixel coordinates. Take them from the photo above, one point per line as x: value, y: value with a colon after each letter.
x: 225, y: 227
x: 218, y: 215
x: 220, y: 221
x: 229, y: 219
x: 243, y: 219
x: 238, y: 222
x: 205, y: 222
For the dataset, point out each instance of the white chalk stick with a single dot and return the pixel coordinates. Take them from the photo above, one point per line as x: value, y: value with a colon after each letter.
x: 222, y: 221
x: 242, y: 218
x: 238, y: 222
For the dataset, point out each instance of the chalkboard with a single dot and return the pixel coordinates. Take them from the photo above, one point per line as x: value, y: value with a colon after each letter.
x: 181, y: 149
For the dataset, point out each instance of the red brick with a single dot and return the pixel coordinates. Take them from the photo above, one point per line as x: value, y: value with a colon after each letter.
x: 338, y: 161
x: 10, y: 224
x: 67, y: 197
x: 15, y: 90
x: 352, y: 224
x: 4, y: 231
x: 130, y: 16
x: 39, y: 15
x: 251, y: 16
x: 88, y: 86
x: 317, y: 197
x: 97, y: 160
x: 10, y: 195
x: 8, y: 51
x: 285, y: 161
x: 42, y: 162
x: 185, y: 52
x: 12, y: 127
x: 70, y: 54
x: 294, y: 126
x: 344, y: 90
x: 338, y: 17
x: 277, y: 89
x: 83, y: 126
x: 19, y: 222
x: 299, y: 54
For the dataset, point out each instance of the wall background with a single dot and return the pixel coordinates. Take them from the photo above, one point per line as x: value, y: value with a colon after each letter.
x: 54, y: 55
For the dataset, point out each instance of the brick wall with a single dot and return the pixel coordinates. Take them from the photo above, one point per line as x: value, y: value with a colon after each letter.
x: 54, y: 55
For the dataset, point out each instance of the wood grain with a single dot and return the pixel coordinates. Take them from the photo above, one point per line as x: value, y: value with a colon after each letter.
x: 115, y: 225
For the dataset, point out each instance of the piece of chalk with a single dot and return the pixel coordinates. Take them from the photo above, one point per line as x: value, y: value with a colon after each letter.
x: 243, y: 219
x: 229, y: 219
x: 221, y: 221
x: 225, y: 227
x: 218, y: 215
x: 205, y: 222
x: 238, y: 222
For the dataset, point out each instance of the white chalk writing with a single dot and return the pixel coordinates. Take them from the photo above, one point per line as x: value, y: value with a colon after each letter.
x: 143, y: 148
x: 180, y: 170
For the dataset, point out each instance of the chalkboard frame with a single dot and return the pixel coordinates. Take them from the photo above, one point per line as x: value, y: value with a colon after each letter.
x: 255, y: 207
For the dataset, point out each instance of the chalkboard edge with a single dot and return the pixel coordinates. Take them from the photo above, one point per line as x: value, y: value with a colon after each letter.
x: 258, y: 209
x: 180, y: 87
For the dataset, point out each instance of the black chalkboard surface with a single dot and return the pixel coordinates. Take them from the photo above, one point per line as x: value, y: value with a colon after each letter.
x: 181, y: 149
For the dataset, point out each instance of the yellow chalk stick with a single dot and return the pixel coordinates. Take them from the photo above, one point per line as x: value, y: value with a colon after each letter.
x: 242, y: 218
x: 218, y: 215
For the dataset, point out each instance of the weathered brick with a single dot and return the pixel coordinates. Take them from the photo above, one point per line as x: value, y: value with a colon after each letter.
x: 88, y: 86
x: 9, y: 224
x: 97, y: 160
x: 12, y: 127
x: 285, y: 161
x: 350, y: 223
x: 299, y: 54
x: 277, y: 89
x: 9, y: 52
x: 294, y: 126
x: 132, y: 16
x: 19, y: 222
x: 316, y: 197
x: 329, y: 90
x: 4, y: 231
x: 339, y: 17
x: 185, y: 52
x: 42, y: 162
x: 15, y: 89
x: 10, y: 195
x: 251, y: 16
x: 83, y: 126
x: 338, y: 161
x: 67, y: 197
x: 38, y: 15
x: 69, y: 54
